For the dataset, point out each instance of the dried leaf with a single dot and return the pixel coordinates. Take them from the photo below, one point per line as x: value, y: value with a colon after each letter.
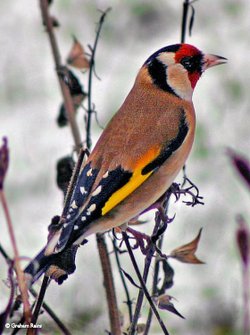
x: 4, y: 161
x: 130, y: 279
x: 78, y: 99
x: 71, y: 81
x: 164, y: 302
x: 77, y: 57
x: 55, y: 22
x: 65, y: 167
x: 242, y: 237
x: 168, y: 280
x: 241, y: 164
x: 62, y: 119
x: 186, y: 252
x: 140, y: 328
x: 76, y: 91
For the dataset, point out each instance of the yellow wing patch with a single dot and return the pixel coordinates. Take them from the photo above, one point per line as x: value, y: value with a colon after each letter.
x: 134, y: 182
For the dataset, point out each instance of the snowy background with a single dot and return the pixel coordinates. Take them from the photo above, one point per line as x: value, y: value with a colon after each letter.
x: 209, y: 295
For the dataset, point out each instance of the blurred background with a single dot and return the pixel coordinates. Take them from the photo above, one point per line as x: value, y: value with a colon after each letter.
x: 209, y: 295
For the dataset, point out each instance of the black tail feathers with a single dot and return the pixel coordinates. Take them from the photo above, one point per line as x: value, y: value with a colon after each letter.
x: 57, y: 266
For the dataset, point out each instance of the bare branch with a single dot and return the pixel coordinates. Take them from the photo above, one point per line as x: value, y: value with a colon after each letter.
x: 143, y: 285
x: 68, y: 102
x: 20, y: 275
x: 109, y: 285
x: 91, y: 71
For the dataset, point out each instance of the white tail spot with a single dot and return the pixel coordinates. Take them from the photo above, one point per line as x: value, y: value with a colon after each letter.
x: 89, y: 173
x: 74, y: 205
x: 91, y: 209
x: 105, y: 175
x: 82, y: 190
x: 97, y: 191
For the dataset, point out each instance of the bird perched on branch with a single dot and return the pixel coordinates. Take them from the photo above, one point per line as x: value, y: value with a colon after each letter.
x: 138, y: 155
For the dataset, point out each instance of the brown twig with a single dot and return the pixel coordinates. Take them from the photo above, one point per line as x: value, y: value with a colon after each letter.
x: 109, y: 285
x: 91, y: 71
x: 20, y: 276
x: 68, y: 102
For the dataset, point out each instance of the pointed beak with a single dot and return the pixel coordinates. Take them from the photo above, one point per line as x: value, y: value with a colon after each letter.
x: 212, y: 60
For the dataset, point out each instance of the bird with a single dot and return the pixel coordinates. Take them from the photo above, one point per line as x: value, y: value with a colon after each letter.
x: 139, y: 153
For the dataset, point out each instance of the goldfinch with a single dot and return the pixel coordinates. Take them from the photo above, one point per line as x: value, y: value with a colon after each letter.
x: 140, y: 152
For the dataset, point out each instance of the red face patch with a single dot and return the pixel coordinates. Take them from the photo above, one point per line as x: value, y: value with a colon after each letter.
x: 194, y: 77
x: 191, y: 59
x: 186, y: 50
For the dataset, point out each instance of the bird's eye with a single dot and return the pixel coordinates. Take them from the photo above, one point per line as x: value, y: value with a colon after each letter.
x: 187, y: 63
x: 192, y: 63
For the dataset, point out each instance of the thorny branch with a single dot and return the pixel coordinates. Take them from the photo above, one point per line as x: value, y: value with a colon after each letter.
x: 91, y: 71
x: 143, y: 285
x: 128, y: 301
x: 156, y: 272
x: 161, y: 224
x: 147, y: 262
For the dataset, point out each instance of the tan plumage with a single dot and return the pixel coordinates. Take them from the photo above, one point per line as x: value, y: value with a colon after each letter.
x: 128, y: 139
x: 140, y: 152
